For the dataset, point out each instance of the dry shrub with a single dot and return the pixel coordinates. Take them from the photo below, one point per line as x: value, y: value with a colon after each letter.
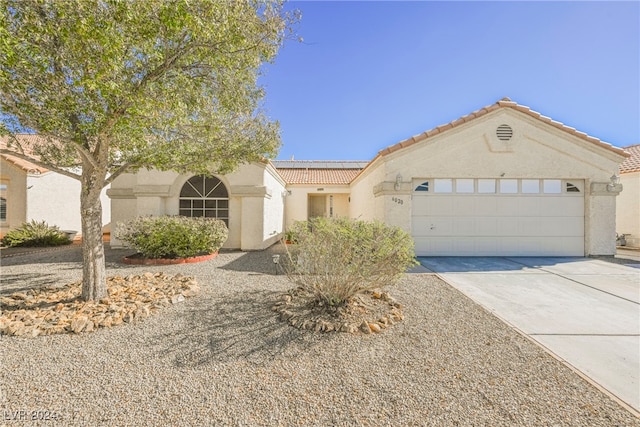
x: 335, y: 259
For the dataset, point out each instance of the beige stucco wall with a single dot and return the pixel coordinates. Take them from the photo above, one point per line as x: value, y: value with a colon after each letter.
x: 274, y: 206
x: 628, y: 208
x: 49, y: 197
x: 297, y: 196
x: 365, y: 205
x: 472, y: 150
x: 255, y: 199
x: 16, y: 194
x: 55, y: 198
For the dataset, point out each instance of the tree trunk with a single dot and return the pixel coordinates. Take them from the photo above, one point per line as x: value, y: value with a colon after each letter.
x: 94, y: 277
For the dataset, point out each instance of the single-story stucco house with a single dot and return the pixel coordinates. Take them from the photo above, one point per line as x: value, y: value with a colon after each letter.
x: 31, y: 192
x: 628, y: 202
x: 503, y: 180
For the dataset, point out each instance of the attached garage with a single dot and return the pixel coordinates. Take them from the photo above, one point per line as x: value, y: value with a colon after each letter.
x: 494, y: 217
x: 501, y: 181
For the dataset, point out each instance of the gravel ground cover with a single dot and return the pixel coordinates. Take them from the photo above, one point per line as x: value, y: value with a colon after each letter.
x: 223, y: 358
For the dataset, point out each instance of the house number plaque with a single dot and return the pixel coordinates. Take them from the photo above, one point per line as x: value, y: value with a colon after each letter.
x: 397, y: 200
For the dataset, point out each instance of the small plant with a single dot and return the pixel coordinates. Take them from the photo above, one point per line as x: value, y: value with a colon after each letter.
x: 297, y: 228
x: 173, y: 236
x: 35, y: 233
x: 335, y: 259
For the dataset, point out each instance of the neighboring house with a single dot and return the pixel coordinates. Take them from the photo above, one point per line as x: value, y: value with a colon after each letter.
x: 628, y: 202
x: 503, y: 180
x: 30, y: 192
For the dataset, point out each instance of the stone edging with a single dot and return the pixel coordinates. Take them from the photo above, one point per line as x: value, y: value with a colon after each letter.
x: 167, y: 261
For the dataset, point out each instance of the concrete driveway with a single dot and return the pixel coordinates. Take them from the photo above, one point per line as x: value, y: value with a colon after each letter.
x: 585, y: 311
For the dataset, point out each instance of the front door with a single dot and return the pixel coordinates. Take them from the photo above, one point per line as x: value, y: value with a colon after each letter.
x: 317, y: 206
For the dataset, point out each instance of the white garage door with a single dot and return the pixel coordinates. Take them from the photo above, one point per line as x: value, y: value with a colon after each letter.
x: 496, y: 217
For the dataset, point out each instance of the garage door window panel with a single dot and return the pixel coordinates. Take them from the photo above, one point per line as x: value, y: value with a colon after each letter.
x: 552, y: 186
x: 443, y: 185
x: 508, y: 186
x: 531, y: 186
x: 486, y: 186
x: 465, y: 185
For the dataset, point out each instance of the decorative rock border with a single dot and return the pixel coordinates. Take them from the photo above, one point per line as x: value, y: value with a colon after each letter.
x: 366, y: 313
x: 137, y: 260
x: 59, y: 310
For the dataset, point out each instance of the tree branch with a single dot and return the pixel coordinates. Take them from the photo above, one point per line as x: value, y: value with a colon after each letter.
x: 41, y: 164
x: 86, y: 154
x: 123, y: 168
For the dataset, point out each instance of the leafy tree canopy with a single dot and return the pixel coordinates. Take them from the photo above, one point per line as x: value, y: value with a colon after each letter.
x: 118, y: 85
x: 115, y: 85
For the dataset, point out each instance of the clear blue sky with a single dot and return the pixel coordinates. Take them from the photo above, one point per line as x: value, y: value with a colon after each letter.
x: 370, y: 74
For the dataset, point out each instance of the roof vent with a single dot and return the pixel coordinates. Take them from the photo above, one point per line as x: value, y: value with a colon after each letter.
x: 504, y: 132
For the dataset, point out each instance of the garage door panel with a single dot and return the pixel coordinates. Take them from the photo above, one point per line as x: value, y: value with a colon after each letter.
x: 507, y: 206
x: 562, y: 206
x: 531, y: 227
x: 509, y: 246
x: 487, y: 226
x: 485, y: 206
x: 440, y: 207
x: 551, y: 227
x: 508, y: 227
x: 433, y: 226
x: 465, y: 206
x: 464, y: 226
x: 421, y: 205
x: 499, y: 224
x: 561, y: 227
x: 529, y: 206
x: 487, y: 245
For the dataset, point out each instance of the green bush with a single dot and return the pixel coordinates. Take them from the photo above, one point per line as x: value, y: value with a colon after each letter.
x: 297, y: 228
x: 173, y: 236
x: 35, y: 233
x: 335, y: 259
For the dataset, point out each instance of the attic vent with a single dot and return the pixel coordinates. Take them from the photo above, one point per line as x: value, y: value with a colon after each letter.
x: 504, y: 132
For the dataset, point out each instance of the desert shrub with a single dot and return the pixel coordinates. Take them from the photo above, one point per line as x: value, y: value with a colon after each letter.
x: 35, y: 233
x: 335, y: 259
x: 297, y: 228
x: 173, y: 236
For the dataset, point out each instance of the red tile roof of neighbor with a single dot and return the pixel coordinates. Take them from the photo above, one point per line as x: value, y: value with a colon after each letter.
x: 631, y: 164
x: 318, y: 171
x: 25, y: 165
x: 503, y: 103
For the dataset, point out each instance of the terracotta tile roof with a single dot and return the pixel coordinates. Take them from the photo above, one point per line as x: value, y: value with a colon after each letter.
x: 318, y: 171
x: 631, y: 164
x: 25, y: 165
x: 503, y: 103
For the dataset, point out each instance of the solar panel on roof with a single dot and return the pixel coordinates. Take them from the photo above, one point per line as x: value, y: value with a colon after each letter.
x: 319, y: 164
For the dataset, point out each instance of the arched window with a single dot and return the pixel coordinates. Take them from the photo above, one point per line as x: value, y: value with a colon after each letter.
x: 205, y: 196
